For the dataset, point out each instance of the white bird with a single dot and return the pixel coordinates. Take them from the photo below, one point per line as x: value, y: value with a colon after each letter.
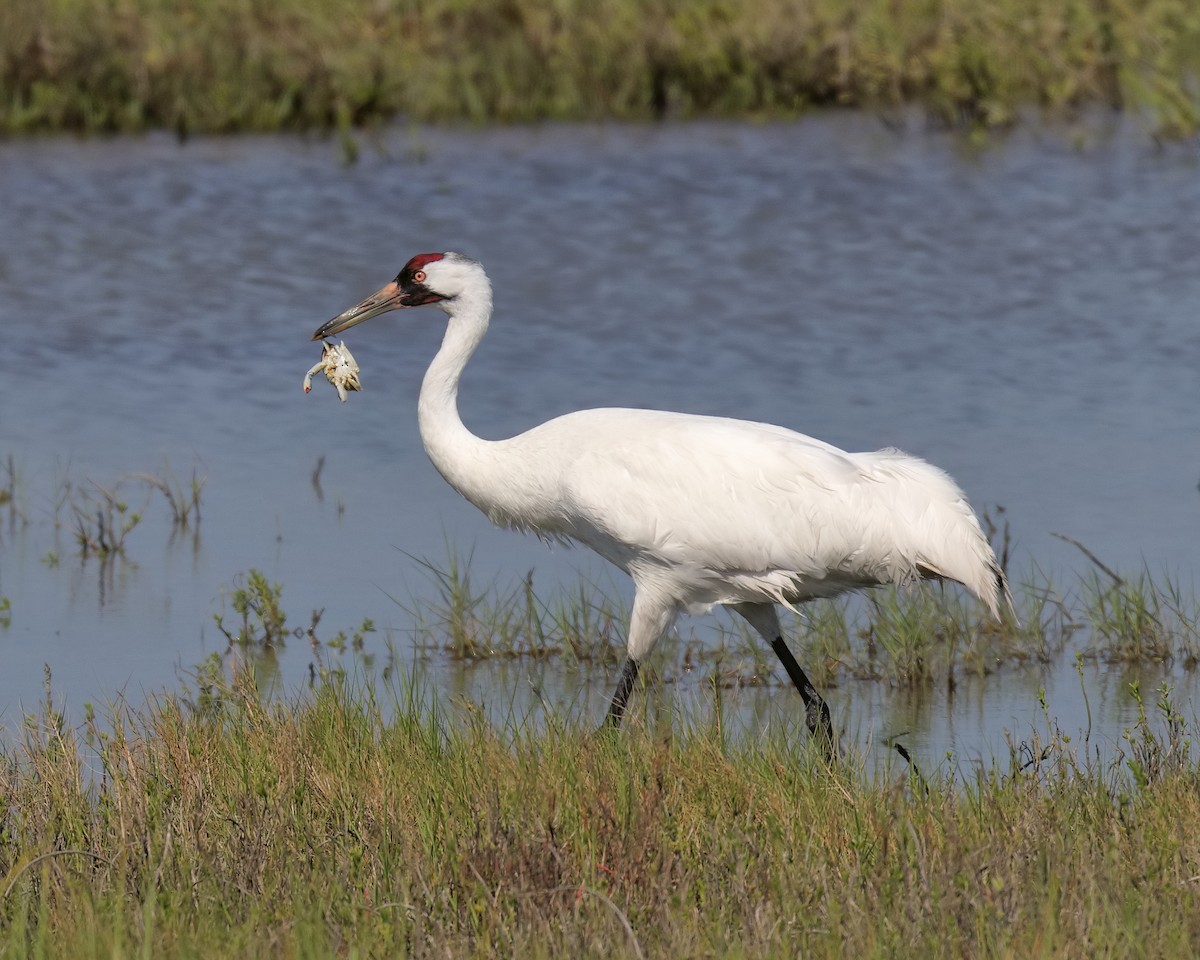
x: 698, y: 510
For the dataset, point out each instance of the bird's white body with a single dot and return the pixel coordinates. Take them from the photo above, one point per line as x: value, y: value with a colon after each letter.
x: 697, y: 510
x: 703, y: 510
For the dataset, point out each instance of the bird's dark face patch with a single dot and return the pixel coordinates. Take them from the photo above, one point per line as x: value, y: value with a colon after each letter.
x: 411, y: 281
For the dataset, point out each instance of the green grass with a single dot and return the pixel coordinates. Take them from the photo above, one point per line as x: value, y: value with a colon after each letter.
x: 226, y: 65
x: 467, y: 623
x: 1142, y: 619
x: 905, y: 636
x: 362, y: 821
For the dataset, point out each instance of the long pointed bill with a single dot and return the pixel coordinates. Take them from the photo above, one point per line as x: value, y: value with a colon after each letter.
x: 383, y: 300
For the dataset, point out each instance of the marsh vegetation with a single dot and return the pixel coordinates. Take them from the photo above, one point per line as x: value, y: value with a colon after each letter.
x: 366, y: 819
x: 226, y: 65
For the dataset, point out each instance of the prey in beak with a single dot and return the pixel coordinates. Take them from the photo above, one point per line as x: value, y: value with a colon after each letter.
x: 411, y: 288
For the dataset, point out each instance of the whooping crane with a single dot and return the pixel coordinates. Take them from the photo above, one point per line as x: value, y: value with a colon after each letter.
x: 698, y: 510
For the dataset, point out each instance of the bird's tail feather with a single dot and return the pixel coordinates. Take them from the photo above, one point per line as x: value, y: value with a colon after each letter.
x: 950, y: 543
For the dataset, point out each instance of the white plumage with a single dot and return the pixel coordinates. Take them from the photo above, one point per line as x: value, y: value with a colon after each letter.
x: 697, y: 510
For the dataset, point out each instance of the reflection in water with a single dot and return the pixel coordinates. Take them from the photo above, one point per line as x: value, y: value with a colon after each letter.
x: 1024, y: 318
x: 978, y: 721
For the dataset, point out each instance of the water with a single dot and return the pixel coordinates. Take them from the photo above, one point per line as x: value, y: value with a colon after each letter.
x: 1025, y: 318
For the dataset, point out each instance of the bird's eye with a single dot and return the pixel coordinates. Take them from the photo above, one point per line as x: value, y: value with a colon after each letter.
x: 419, y: 276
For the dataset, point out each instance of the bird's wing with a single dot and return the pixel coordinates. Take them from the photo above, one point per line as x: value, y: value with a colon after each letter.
x: 730, y: 495
x: 756, y: 511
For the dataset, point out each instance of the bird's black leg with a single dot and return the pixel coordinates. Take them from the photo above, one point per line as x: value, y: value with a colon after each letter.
x: 616, y: 710
x: 816, y: 711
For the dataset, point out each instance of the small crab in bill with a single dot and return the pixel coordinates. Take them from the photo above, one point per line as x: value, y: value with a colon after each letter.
x: 339, y: 368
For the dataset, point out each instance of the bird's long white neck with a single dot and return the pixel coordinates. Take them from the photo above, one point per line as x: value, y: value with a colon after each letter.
x: 465, y: 460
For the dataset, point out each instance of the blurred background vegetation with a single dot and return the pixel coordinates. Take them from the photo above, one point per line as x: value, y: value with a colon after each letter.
x: 231, y: 65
